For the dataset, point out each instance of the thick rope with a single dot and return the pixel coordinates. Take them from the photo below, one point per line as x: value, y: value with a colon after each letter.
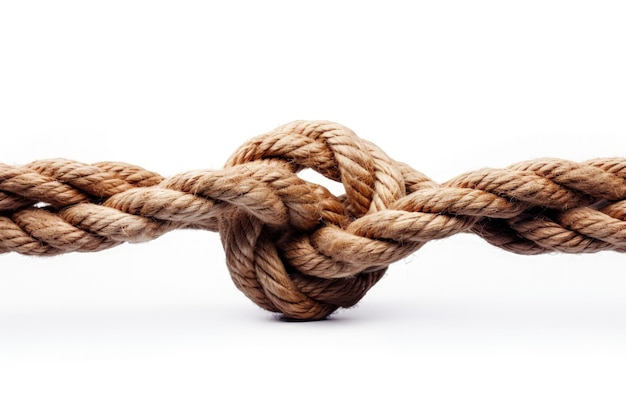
x: 292, y: 246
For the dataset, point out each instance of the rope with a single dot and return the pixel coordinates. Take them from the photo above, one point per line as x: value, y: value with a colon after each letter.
x: 293, y: 247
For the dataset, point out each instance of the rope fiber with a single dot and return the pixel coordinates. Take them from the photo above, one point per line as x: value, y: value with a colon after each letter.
x: 292, y: 246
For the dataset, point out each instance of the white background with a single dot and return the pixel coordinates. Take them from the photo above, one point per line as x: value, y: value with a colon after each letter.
x: 459, y: 328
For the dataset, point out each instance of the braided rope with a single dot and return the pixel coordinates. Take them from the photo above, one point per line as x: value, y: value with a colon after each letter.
x: 292, y: 246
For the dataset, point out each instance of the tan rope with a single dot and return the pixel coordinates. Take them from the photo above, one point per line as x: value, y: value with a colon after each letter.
x: 292, y: 246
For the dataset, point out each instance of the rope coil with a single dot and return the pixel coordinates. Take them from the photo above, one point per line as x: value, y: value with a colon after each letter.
x: 292, y: 246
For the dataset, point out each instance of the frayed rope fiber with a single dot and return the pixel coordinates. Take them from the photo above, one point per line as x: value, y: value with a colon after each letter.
x: 293, y: 247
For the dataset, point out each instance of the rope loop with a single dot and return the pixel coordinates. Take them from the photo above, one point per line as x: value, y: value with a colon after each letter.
x: 293, y: 267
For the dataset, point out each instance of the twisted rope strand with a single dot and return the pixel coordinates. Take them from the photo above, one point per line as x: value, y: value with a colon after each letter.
x: 291, y: 245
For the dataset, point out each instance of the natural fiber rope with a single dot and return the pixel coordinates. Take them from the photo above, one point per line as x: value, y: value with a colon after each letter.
x: 292, y: 246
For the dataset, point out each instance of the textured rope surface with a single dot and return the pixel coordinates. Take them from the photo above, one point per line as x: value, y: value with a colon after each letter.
x: 292, y: 246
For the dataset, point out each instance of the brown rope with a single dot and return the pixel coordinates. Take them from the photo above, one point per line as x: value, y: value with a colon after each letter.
x: 292, y: 246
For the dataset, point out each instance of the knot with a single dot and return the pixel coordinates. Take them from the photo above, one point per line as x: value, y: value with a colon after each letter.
x: 298, y: 256
x: 291, y: 245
